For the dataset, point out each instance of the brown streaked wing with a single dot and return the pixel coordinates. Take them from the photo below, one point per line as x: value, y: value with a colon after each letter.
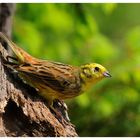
x: 57, y: 76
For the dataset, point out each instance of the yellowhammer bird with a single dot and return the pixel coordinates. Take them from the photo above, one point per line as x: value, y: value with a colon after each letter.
x: 55, y: 80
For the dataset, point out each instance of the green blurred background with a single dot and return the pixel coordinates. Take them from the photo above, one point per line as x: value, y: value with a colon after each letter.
x: 76, y: 34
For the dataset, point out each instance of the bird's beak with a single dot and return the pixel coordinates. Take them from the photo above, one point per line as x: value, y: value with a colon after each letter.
x: 106, y: 74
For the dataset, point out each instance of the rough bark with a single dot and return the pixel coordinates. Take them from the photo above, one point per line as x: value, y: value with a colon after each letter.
x: 22, y: 111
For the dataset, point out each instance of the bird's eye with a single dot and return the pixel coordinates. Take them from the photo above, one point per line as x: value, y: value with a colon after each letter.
x: 97, y: 69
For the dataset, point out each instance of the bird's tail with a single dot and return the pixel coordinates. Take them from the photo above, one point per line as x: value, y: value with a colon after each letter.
x: 22, y: 56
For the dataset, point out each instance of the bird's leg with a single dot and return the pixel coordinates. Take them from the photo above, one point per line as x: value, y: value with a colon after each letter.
x: 61, y: 105
x: 59, y: 114
x: 62, y: 108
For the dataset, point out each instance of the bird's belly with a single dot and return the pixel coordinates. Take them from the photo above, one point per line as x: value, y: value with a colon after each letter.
x: 50, y: 93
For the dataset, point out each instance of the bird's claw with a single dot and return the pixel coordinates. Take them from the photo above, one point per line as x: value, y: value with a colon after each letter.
x: 61, y: 109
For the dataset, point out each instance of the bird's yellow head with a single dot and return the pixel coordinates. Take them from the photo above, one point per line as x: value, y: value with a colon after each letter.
x: 92, y: 73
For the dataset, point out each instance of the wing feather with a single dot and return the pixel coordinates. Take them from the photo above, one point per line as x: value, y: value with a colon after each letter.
x: 58, y: 76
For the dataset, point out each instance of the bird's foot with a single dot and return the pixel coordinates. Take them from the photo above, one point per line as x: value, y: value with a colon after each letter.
x: 59, y: 108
